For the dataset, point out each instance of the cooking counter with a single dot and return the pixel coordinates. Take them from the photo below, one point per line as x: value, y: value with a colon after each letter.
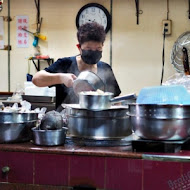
x: 77, y: 167
x: 119, y: 152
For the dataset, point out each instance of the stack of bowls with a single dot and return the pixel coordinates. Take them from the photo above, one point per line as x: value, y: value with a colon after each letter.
x: 16, y: 127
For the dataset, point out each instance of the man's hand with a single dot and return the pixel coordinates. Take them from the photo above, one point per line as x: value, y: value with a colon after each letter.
x: 67, y: 79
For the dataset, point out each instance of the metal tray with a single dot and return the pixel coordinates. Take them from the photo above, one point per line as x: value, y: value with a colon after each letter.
x: 10, y: 103
x: 30, y: 98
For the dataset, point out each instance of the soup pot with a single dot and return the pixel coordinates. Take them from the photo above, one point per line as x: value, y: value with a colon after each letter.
x: 112, y: 123
x: 101, y: 101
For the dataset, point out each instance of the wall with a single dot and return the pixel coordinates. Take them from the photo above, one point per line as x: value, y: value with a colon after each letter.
x: 137, y: 49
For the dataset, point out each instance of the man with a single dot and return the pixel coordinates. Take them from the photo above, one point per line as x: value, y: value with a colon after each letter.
x: 64, y: 71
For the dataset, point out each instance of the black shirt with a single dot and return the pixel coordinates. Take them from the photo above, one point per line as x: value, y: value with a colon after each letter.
x: 69, y: 65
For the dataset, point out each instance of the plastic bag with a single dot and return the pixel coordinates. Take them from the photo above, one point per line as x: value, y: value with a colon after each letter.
x: 179, y: 79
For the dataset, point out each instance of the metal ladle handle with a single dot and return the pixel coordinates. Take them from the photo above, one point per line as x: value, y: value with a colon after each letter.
x: 123, y: 98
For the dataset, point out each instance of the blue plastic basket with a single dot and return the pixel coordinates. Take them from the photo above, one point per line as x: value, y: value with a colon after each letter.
x: 174, y: 94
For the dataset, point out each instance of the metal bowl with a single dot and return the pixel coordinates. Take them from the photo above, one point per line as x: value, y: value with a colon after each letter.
x: 160, y: 122
x: 16, y: 127
x: 16, y: 132
x: 160, y: 111
x: 49, y: 137
x: 88, y: 81
x: 161, y: 129
x: 10, y: 117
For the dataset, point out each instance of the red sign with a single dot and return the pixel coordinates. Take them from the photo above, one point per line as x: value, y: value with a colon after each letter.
x: 22, y: 36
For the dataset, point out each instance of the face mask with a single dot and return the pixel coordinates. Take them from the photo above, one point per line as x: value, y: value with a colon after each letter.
x: 90, y: 56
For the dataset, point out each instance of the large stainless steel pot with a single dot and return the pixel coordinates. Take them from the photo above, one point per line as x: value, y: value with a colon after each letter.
x: 160, y: 122
x: 16, y: 127
x: 88, y: 81
x: 101, y: 101
x: 112, y: 123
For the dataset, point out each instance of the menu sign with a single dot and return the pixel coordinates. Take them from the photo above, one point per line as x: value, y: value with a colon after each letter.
x: 22, y: 36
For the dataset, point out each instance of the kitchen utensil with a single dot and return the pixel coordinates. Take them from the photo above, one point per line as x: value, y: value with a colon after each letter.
x: 16, y: 127
x: 49, y: 137
x: 186, y: 61
x: 160, y: 122
x: 101, y: 101
x: 88, y: 81
x: 40, y: 36
x: 112, y: 123
x: 173, y: 94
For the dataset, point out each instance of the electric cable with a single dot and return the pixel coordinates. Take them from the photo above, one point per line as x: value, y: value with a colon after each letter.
x: 168, y: 10
x: 163, y: 55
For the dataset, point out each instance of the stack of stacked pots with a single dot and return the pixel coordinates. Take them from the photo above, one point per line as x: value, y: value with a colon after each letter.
x: 112, y: 123
x: 161, y: 113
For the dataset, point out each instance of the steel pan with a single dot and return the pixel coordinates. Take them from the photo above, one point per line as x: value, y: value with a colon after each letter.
x: 160, y: 122
x: 112, y: 123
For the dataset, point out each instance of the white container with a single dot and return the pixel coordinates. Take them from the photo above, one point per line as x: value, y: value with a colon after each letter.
x: 33, y: 90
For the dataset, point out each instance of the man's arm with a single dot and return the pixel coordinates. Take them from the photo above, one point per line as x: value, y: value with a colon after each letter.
x: 44, y: 78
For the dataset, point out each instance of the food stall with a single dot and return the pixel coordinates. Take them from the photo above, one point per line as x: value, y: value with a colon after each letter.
x: 135, y: 146
x: 96, y: 155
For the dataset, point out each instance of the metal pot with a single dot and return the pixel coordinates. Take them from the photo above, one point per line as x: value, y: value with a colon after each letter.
x: 160, y: 122
x: 88, y: 81
x: 101, y: 102
x: 49, y: 137
x: 16, y: 132
x: 112, y: 123
x: 8, y: 117
x: 16, y: 127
